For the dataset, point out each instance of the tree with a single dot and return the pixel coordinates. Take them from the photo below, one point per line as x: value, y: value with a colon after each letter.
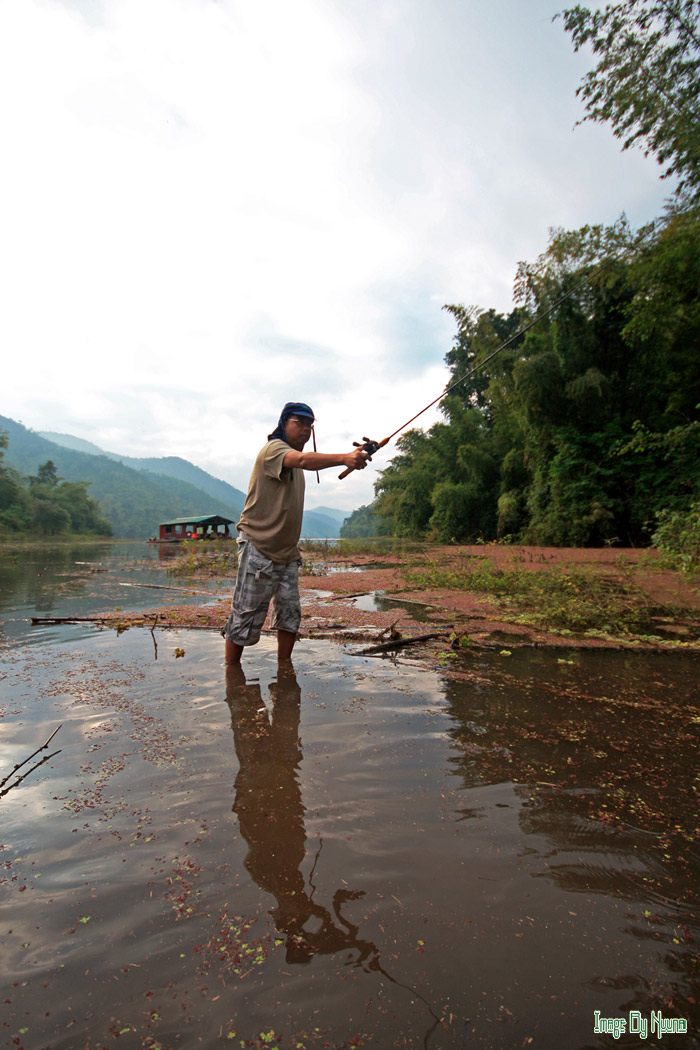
x: 663, y: 318
x: 647, y: 80
x: 46, y: 503
x: 443, y: 484
x: 14, y: 499
x: 46, y: 474
x: 50, y: 517
x: 611, y: 386
x: 479, y: 333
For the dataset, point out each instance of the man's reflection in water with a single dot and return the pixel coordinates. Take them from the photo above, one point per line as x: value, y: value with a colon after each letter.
x: 270, y: 813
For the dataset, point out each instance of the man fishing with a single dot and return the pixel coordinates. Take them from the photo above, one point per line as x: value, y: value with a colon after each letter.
x: 269, y: 528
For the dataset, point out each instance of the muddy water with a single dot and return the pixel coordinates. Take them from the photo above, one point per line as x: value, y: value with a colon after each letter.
x: 362, y: 853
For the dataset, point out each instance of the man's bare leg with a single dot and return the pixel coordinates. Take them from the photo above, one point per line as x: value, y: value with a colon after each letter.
x: 233, y: 653
x: 235, y: 679
x: 285, y: 644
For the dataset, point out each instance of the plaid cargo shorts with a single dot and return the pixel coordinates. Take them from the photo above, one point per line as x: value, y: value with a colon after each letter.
x: 258, y: 582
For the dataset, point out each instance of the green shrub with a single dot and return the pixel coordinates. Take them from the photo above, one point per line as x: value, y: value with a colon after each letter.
x: 677, y: 537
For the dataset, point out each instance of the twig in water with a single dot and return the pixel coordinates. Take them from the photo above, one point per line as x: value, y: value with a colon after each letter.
x: 399, y: 643
x: 19, y: 765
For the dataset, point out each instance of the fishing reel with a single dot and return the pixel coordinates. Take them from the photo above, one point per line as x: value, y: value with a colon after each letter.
x: 368, y: 446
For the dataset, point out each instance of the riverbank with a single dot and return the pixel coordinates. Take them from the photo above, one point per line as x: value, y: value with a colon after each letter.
x: 469, y: 597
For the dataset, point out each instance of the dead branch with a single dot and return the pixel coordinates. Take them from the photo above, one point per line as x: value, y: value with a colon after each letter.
x: 125, y: 621
x: 19, y: 765
x: 400, y: 643
x: 391, y: 631
x: 183, y: 589
x: 68, y: 619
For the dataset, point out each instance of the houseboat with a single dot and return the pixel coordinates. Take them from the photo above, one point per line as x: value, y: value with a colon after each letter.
x: 208, y: 527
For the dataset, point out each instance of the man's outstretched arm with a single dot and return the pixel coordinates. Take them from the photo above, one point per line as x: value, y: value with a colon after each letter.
x: 355, y: 460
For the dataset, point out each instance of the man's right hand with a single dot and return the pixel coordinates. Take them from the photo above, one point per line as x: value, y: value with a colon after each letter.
x: 357, y: 459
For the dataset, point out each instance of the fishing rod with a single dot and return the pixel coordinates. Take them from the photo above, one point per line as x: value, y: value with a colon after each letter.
x: 370, y: 447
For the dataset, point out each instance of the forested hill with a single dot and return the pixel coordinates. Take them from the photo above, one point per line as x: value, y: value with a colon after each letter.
x: 135, y: 495
x: 133, y: 501
x: 170, y: 466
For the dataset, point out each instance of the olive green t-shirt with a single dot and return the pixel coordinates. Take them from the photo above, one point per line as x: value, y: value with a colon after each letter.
x: 274, y: 506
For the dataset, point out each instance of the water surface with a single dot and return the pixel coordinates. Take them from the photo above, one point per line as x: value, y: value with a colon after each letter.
x: 362, y: 853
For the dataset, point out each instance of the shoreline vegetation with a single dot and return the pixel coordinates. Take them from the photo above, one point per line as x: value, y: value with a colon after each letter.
x: 444, y: 601
x: 45, y: 504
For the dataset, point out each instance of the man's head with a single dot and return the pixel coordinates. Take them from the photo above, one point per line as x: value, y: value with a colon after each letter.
x: 295, y: 423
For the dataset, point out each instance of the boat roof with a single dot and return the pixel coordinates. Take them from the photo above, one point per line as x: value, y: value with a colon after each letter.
x: 199, y: 519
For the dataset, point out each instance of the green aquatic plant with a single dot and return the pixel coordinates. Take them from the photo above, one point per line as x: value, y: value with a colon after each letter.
x: 574, y: 600
x: 196, y: 558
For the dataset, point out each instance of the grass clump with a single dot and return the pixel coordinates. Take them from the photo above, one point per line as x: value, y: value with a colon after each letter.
x: 197, y: 558
x: 574, y: 600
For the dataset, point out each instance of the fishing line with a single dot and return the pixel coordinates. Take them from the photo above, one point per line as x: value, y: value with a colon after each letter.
x: 313, y: 434
x: 371, y: 446
x: 511, y: 339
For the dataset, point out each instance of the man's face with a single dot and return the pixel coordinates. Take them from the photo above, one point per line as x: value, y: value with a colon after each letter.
x: 297, y: 431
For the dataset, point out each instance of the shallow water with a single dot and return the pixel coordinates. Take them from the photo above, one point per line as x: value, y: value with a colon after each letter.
x: 83, y: 580
x: 377, y: 601
x: 363, y: 853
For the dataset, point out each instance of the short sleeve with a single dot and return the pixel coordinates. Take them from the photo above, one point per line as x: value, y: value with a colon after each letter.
x: 273, y: 463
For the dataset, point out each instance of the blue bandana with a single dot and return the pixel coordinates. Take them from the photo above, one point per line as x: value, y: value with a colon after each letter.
x: 292, y: 408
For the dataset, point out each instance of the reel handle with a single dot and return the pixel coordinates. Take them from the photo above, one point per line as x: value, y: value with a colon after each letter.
x: 370, y: 448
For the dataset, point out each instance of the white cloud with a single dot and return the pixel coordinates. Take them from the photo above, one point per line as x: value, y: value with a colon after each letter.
x: 212, y: 208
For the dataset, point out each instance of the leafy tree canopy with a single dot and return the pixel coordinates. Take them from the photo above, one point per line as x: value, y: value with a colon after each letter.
x: 46, y: 474
x: 646, y: 83
x: 43, y: 503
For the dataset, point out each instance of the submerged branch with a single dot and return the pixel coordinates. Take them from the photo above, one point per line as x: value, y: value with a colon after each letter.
x: 4, y: 789
x: 400, y: 643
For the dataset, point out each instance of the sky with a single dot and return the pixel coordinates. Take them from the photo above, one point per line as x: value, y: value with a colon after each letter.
x: 211, y: 207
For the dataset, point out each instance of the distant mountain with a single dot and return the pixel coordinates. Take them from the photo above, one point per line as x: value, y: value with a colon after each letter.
x: 77, y: 444
x: 137, y: 493
x: 170, y: 466
x: 317, y: 526
x: 331, y: 512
